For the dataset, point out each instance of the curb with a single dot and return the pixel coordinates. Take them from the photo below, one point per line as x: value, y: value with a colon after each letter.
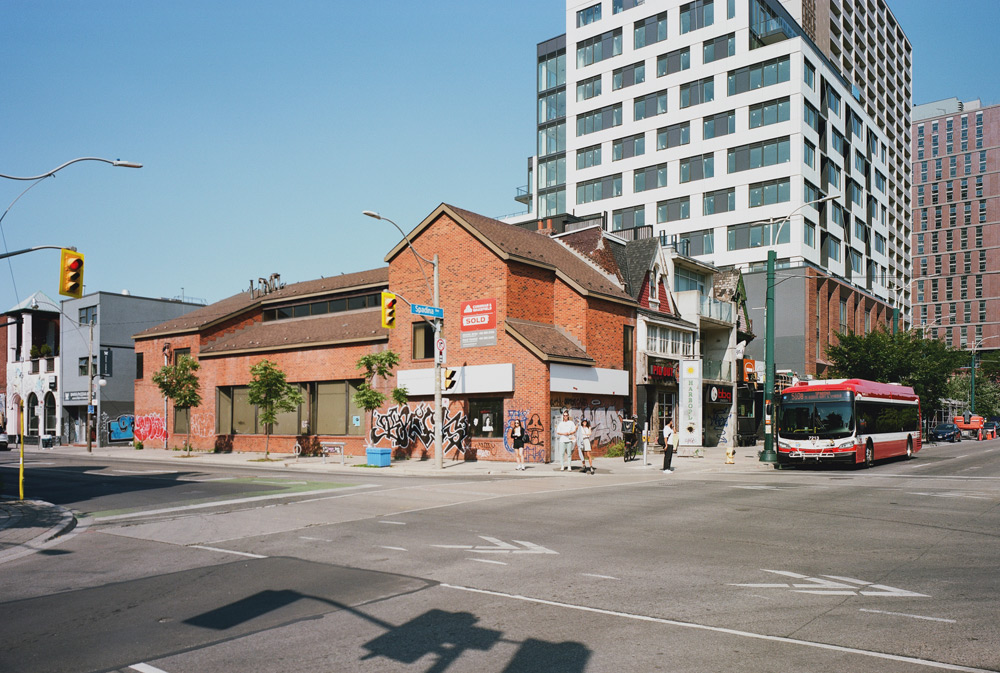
x: 67, y: 522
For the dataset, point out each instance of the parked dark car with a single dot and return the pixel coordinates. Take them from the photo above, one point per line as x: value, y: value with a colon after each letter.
x: 4, y: 442
x: 990, y: 429
x: 945, y: 432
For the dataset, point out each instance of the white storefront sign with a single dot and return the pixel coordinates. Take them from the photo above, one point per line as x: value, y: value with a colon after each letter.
x: 690, y: 403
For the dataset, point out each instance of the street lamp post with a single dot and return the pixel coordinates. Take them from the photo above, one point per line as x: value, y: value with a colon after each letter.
x: 768, y: 455
x: 436, y: 293
x: 48, y: 174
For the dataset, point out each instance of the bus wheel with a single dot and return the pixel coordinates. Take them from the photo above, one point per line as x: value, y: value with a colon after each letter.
x: 909, y: 448
x: 869, y: 454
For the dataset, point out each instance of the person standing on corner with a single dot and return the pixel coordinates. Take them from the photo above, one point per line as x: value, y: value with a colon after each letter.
x: 567, y: 437
x: 517, y: 441
x: 585, y: 455
x: 668, y: 445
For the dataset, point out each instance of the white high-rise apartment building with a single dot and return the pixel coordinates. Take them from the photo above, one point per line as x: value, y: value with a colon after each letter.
x: 714, y: 124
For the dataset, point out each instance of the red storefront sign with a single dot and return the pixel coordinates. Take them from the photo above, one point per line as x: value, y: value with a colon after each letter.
x: 659, y: 371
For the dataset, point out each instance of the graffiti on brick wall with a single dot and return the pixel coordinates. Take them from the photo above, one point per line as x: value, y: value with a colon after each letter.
x: 605, y: 423
x: 149, y: 426
x: 534, y: 441
x: 202, y: 425
x: 406, y: 428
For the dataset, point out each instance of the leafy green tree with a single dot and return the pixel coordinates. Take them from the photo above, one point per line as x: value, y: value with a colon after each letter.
x: 179, y: 383
x: 989, y: 368
x: 925, y: 364
x: 270, y: 392
x: 987, y: 393
x: 377, y: 365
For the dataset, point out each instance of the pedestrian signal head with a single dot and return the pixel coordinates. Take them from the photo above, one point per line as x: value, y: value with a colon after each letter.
x: 71, y: 274
x: 388, y: 309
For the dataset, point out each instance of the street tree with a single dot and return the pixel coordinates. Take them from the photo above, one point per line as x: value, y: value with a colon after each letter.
x: 377, y: 365
x: 987, y: 393
x: 904, y: 357
x: 179, y: 383
x: 272, y: 394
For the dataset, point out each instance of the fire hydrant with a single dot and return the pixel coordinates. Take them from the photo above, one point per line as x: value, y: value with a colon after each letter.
x: 730, y: 455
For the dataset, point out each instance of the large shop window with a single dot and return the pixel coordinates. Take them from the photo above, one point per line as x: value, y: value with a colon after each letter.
x: 328, y: 409
x: 486, y: 416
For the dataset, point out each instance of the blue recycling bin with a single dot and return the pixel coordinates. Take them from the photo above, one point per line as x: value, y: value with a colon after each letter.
x: 378, y: 457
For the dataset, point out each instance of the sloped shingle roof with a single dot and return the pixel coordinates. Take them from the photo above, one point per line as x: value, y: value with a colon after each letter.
x: 238, y: 303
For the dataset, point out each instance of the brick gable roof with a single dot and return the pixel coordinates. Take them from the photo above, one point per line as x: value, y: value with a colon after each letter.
x: 512, y: 242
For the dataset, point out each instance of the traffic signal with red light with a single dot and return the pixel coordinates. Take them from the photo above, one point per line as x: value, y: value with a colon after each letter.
x: 71, y: 273
x: 388, y: 309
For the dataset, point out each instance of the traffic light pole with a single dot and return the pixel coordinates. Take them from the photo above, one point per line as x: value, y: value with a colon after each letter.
x: 438, y: 415
x: 37, y: 247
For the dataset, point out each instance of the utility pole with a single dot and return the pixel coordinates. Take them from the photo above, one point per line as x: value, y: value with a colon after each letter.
x: 769, y: 455
x: 90, y: 388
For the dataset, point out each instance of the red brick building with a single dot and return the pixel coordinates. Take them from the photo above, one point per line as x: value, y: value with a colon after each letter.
x: 545, y: 328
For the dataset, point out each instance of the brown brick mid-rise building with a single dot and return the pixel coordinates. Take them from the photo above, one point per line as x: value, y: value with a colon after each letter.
x: 956, y: 222
x: 531, y: 327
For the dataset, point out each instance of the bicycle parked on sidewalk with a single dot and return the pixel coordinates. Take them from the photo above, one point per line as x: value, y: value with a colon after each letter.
x: 630, y: 436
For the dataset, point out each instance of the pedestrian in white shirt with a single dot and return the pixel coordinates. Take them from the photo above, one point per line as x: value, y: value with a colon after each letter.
x: 566, y: 431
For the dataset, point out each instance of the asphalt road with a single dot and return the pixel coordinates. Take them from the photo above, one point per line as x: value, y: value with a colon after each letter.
x: 889, y: 569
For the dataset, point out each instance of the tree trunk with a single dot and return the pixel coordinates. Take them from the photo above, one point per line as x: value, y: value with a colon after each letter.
x: 267, y: 442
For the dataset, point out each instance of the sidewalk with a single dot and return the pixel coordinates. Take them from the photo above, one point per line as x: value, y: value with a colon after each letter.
x: 27, y: 526
x: 713, y: 459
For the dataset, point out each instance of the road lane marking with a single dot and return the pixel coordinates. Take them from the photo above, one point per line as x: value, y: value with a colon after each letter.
x: 603, y: 577
x: 145, y: 471
x: 486, y: 560
x: 392, y: 548
x: 903, y: 614
x: 731, y: 632
x: 842, y: 586
x: 500, y: 547
x: 226, y: 551
x: 394, y: 523
x: 146, y: 668
x: 314, y: 539
x: 222, y: 503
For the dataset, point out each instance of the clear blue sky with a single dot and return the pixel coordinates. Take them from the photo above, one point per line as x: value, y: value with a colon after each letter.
x: 266, y: 128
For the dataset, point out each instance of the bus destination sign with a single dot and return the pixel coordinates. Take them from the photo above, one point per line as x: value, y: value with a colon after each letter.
x: 817, y: 396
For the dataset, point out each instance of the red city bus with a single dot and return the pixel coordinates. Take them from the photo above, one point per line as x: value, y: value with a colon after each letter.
x: 848, y: 421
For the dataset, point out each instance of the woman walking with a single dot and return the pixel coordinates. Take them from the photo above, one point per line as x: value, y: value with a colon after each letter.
x: 517, y: 441
x: 585, y: 456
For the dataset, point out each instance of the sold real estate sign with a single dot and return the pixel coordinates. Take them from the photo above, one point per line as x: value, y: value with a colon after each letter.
x: 479, y: 314
x: 479, y: 323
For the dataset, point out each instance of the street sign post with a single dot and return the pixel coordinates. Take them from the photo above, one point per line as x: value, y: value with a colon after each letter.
x: 440, y: 351
x: 428, y: 311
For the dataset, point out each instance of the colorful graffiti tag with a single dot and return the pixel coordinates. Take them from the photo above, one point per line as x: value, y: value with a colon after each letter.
x: 406, y: 427
x: 534, y: 442
x: 149, y: 426
x: 121, y: 429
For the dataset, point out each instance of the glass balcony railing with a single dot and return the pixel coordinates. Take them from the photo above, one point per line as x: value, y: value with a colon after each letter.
x: 713, y: 308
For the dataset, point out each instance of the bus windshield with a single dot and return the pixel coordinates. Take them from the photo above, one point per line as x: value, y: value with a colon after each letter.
x: 827, y: 415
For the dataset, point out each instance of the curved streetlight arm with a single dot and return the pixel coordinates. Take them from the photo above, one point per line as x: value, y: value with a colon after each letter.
x: 788, y: 217
x: 113, y: 162
x: 374, y: 215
